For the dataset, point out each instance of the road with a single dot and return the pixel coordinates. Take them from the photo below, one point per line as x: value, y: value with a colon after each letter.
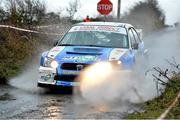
x: 22, y: 99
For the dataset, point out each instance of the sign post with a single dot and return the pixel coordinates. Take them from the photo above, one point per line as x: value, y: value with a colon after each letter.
x: 119, y: 10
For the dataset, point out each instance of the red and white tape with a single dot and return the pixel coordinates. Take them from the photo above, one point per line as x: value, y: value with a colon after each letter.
x: 163, y: 116
x: 27, y: 30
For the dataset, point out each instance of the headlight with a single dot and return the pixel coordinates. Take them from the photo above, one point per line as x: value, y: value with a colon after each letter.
x: 97, y: 72
x: 100, y: 69
x: 116, y: 62
x: 49, y: 62
x: 54, y: 64
x: 95, y: 75
x: 119, y: 62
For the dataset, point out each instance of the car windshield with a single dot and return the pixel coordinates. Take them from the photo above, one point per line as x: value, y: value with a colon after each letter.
x: 115, y: 38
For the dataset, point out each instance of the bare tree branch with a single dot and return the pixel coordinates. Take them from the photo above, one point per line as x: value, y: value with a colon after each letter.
x: 72, y: 8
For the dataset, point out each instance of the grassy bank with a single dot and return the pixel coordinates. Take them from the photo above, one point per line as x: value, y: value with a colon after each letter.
x: 154, y: 108
x: 16, y: 48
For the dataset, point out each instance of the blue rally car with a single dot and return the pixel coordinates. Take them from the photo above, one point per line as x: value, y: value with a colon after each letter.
x: 87, y: 43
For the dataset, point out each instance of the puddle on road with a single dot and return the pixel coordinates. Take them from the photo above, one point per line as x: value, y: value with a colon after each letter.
x: 6, y: 96
x: 5, y: 93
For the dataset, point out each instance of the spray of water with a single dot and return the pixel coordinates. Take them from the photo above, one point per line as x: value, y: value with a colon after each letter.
x: 27, y: 80
x: 104, y: 83
x: 108, y: 89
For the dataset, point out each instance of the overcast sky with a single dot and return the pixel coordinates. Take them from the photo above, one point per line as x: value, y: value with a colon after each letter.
x: 88, y: 7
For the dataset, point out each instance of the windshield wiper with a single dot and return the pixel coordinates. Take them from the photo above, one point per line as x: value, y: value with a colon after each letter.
x: 84, y: 45
x: 66, y: 45
x: 97, y: 46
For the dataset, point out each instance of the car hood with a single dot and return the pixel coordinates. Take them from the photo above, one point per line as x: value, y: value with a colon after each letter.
x: 85, y: 54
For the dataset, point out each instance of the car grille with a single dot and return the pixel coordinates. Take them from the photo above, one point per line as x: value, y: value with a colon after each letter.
x: 69, y: 78
x: 73, y: 66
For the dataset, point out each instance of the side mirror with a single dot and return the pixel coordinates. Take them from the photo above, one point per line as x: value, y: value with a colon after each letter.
x: 135, y: 46
x: 55, y: 43
x: 140, y: 33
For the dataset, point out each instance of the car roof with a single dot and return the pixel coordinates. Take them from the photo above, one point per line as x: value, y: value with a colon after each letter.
x: 115, y: 24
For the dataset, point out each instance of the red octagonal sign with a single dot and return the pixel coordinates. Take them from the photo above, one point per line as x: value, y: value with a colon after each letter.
x: 104, y: 7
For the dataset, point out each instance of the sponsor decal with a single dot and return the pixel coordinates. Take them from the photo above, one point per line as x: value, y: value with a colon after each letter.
x: 87, y: 28
x: 116, y: 54
x: 107, y: 28
x: 81, y: 58
x: 48, y: 77
x: 55, y: 51
x: 63, y: 83
x: 99, y: 28
x: 70, y: 72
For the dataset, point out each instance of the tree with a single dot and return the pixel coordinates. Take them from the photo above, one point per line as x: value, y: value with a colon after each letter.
x: 72, y: 8
x: 51, y: 17
x: 3, y: 14
x: 146, y: 15
x: 27, y: 12
x: 11, y: 6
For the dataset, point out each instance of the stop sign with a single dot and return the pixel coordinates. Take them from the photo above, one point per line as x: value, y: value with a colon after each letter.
x: 104, y: 7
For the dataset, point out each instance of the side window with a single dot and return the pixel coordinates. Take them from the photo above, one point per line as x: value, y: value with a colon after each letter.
x: 132, y: 38
x: 136, y: 36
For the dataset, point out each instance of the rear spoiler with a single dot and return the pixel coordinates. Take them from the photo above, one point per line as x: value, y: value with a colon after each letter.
x: 140, y: 33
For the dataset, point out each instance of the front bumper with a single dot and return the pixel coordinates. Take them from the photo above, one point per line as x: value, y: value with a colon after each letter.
x: 46, y: 78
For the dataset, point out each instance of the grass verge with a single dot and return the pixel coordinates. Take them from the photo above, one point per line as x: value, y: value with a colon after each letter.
x: 154, y: 108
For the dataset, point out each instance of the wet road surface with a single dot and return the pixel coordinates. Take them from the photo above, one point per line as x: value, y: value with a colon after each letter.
x: 22, y: 99
x: 26, y: 104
